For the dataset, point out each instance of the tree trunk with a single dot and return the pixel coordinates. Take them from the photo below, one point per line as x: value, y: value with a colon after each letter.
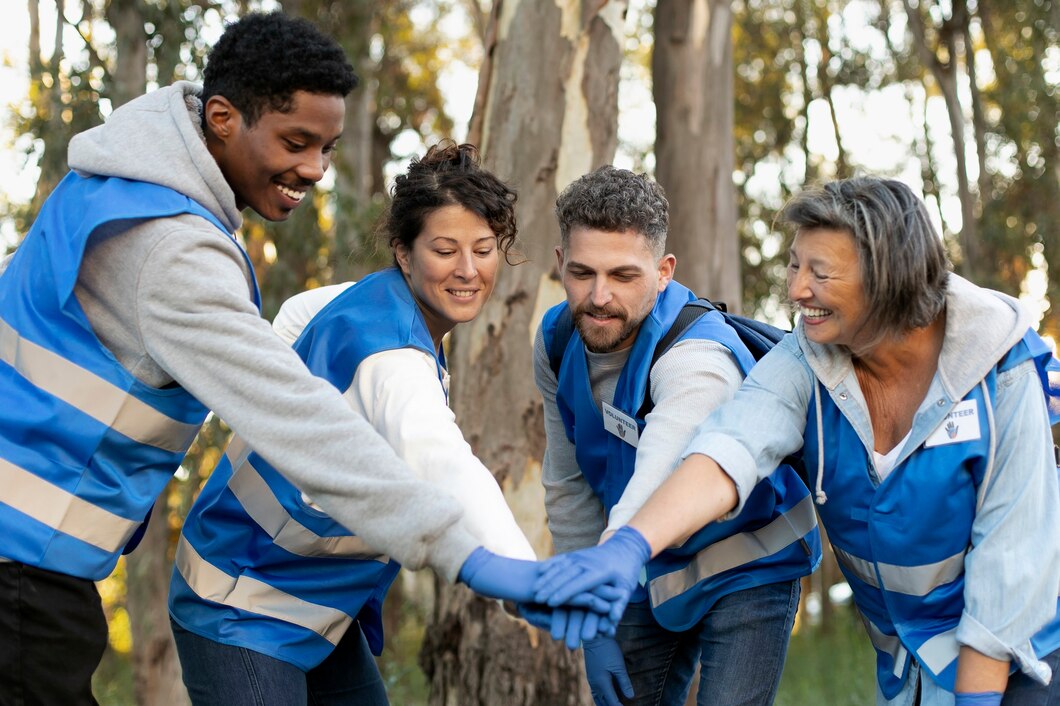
x: 49, y: 105
x: 550, y: 116
x: 129, y: 77
x: 692, y: 74
x: 156, y: 670
x: 36, y: 66
x: 357, y: 164
x: 945, y: 74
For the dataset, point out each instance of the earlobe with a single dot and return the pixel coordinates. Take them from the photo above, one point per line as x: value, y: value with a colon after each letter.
x: 221, y: 117
x: 559, y: 259
x: 667, y: 265
x: 401, y: 255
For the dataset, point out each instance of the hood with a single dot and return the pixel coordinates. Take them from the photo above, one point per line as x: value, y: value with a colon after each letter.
x: 157, y: 138
x: 981, y: 326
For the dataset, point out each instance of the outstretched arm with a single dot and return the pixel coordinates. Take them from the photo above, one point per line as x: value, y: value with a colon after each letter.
x: 698, y: 493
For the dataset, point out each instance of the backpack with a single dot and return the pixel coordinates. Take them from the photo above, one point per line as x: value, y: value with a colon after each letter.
x: 759, y: 337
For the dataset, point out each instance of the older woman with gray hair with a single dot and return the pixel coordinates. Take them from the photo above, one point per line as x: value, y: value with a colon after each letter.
x: 916, y: 400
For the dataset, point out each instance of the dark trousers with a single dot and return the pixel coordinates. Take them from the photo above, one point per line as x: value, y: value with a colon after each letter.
x: 52, y: 636
x: 227, y: 675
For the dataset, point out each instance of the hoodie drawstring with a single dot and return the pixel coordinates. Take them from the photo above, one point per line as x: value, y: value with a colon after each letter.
x: 819, y: 494
x: 989, y: 404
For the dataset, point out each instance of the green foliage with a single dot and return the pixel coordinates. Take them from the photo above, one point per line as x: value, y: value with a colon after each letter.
x: 835, y: 666
x: 404, y: 679
x: 112, y: 684
x: 1021, y: 215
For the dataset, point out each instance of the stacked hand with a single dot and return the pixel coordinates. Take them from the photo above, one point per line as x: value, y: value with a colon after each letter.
x: 571, y: 624
x: 613, y: 567
x: 496, y: 576
x: 577, y: 596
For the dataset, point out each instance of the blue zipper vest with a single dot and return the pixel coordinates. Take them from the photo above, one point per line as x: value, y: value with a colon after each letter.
x: 774, y: 538
x: 907, y: 575
x: 257, y: 566
x: 85, y: 447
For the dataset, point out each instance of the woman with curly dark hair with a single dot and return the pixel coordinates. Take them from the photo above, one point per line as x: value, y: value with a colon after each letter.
x: 301, y: 618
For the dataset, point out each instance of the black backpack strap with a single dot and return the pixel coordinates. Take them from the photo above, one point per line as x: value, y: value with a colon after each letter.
x: 560, y: 338
x: 759, y: 338
x: 689, y: 314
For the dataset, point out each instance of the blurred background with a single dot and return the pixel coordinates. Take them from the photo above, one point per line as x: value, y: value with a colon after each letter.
x: 731, y: 105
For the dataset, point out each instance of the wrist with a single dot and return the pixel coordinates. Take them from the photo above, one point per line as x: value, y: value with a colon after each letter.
x: 635, y: 541
x: 472, y: 564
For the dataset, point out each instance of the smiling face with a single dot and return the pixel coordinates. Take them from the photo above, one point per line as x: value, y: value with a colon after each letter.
x: 825, y: 283
x: 451, y: 267
x: 612, y: 281
x: 272, y: 164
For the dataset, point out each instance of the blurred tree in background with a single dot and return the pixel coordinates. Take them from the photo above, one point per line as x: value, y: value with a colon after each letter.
x: 956, y: 97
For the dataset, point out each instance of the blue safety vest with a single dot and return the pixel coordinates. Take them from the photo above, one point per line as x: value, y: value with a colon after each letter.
x: 774, y: 538
x: 907, y: 575
x: 85, y: 447
x: 256, y: 565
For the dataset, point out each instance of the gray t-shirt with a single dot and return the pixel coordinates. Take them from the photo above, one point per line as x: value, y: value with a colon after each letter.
x: 687, y: 383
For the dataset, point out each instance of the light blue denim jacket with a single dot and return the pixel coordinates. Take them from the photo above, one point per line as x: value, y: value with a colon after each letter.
x: 1013, y: 567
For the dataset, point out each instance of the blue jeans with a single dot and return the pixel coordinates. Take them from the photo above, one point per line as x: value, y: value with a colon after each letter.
x: 740, y: 645
x: 225, y: 675
x: 1024, y: 691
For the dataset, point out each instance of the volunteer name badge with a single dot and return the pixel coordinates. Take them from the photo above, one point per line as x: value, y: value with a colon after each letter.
x: 621, y: 425
x: 961, y: 424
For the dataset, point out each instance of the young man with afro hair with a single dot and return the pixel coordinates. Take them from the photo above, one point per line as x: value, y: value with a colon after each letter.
x: 129, y: 311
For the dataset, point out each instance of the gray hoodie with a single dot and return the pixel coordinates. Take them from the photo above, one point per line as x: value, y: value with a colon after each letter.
x: 170, y: 298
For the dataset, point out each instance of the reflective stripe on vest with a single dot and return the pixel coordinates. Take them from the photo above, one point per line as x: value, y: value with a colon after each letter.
x: 261, y: 504
x: 250, y: 521
x: 51, y: 505
x: 939, y: 651
x: 737, y: 550
x: 256, y: 596
x: 904, y: 573
x: 86, y: 446
x: 888, y: 644
x: 96, y: 397
x: 721, y: 557
x: 909, y: 580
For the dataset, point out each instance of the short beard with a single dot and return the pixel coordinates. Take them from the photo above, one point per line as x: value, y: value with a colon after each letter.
x: 602, y: 341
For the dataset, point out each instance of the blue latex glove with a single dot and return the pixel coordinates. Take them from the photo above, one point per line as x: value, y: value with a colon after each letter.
x: 979, y: 698
x: 569, y: 621
x: 572, y: 625
x: 617, y: 562
x: 554, y: 621
x: 538, y: 615
x: 496, y: 576
x: 604, y: 666
x: 598, y: 600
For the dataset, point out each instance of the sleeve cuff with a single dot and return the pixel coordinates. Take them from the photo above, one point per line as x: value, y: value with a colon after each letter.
x: 449, y: 553
x: 972, y: 633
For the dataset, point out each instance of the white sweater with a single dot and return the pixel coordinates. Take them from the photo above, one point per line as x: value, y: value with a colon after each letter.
x: 397, y: 391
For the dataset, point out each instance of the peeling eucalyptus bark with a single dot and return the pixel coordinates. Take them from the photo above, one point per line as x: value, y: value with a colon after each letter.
x: 548, y: 114
x: 692, y: 80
